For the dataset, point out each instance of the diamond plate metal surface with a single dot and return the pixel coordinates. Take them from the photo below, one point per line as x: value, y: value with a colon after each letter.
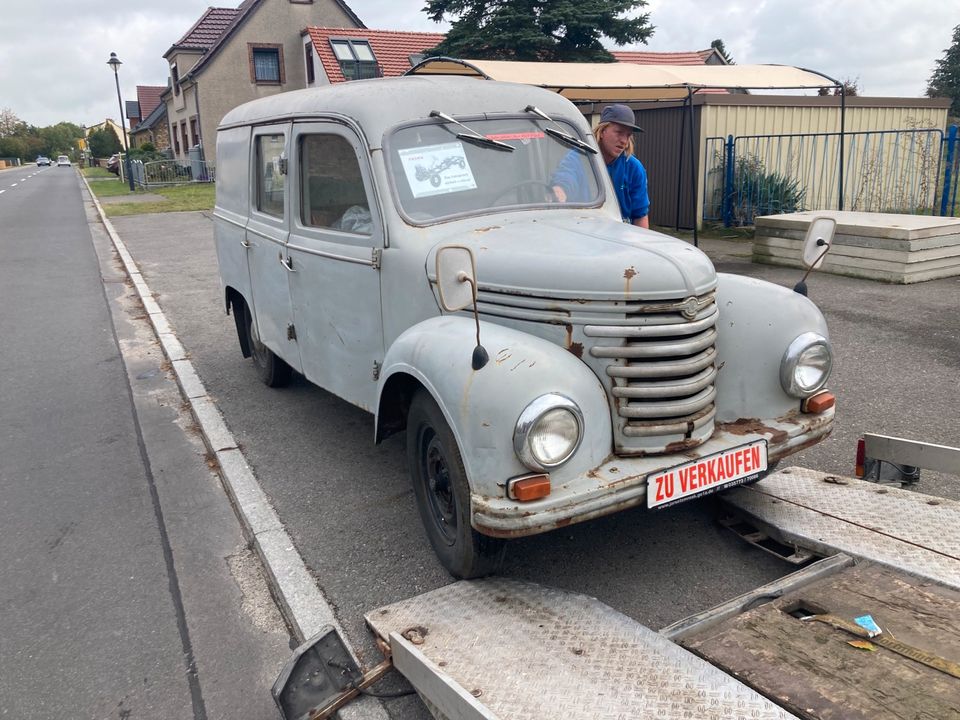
x: 535, y: 653
x: 906, y: 530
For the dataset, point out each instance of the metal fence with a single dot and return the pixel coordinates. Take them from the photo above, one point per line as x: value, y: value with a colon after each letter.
x: 157, y: 173
x: 884, y: 171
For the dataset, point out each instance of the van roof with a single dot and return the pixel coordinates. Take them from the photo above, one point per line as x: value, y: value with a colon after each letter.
x: 377, y: 105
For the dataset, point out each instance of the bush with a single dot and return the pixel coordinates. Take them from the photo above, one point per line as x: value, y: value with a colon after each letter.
x: 758, y: 192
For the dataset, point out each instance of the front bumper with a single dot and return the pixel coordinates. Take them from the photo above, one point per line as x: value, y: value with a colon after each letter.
x: 621, y: 482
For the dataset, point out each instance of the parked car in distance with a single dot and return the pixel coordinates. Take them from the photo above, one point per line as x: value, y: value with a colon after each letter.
x: 42, y: 160
x: 113, y: 164
x: 63, y: 160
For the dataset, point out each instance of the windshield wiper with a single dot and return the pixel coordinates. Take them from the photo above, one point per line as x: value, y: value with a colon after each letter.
x: 564, y: 137
x: 472, y: 135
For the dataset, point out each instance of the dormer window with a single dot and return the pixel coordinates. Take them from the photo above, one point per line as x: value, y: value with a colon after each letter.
x: 356, y: 59
x: 175, y: 74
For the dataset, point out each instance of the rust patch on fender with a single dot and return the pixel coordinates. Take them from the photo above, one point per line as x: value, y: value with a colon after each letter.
x: 747, y: 426
x: 682, y: 446
x: 628, y: 275
x: 487, y: 229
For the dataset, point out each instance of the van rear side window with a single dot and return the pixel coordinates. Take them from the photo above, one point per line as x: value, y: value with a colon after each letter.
x: 270, y: 181
x: 332, y: 185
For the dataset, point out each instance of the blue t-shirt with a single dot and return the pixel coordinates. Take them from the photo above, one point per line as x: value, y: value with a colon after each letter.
x: 629, y: 182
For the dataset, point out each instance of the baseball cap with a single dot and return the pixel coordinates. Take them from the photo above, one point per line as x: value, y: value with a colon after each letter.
x: 620, y: 114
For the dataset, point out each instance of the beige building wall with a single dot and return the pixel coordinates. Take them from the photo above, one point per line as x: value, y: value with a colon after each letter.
x: 226, y: 81
x: 877, y: 169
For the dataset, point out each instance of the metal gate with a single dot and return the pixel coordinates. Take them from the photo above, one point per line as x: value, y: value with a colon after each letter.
x: 884, y: 171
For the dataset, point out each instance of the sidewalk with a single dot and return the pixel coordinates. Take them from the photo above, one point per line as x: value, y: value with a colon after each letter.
x: 128, y: 587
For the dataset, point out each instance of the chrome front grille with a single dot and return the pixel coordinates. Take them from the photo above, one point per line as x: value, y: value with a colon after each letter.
x: 663, y: 372
x: 657, y: 360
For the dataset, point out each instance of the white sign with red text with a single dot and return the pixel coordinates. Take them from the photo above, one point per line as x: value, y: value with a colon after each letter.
x: 736, y: 466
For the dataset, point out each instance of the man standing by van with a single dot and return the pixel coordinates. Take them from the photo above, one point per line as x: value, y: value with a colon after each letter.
x: 614, y: 137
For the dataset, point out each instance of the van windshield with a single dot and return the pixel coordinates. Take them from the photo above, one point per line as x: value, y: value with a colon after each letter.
x: 437, y: 175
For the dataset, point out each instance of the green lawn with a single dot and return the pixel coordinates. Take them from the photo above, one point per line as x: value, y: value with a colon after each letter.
x: 178, y: 198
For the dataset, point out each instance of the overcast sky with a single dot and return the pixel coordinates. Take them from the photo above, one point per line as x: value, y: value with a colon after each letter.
x: 53, y: 53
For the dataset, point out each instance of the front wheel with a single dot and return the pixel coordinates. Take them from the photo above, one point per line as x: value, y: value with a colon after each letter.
x: 443, y: 494
x: 272, y: 370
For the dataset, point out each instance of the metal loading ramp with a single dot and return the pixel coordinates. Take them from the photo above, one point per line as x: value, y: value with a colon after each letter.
x: 500, y: 648
x: 919, y: 534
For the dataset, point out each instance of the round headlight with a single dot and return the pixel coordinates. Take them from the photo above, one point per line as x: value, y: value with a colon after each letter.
x: 806, y: 365
x: 548, y: 432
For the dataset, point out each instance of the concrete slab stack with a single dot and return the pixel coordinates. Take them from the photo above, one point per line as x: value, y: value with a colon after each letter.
x: 879, y: 246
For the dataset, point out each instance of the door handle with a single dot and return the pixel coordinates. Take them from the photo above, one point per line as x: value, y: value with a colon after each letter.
x: 247, y: 244
x: 287, y: 263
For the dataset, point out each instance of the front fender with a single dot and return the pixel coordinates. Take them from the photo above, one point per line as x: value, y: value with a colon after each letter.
x: 758, y: 320
x: 482, y: 406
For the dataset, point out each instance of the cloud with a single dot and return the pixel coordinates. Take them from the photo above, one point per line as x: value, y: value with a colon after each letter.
x: 60, y: 74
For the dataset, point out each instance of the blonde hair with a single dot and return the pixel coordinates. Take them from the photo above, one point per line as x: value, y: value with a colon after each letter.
x: 598, y: 131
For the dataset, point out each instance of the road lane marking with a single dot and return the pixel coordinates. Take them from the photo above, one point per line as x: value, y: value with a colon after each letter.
x: 14, y: 185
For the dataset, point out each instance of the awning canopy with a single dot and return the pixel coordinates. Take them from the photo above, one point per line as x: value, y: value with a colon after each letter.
x: 623, y: 82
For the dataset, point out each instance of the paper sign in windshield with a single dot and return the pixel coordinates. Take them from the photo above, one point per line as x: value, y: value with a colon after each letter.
x: 437, y: 169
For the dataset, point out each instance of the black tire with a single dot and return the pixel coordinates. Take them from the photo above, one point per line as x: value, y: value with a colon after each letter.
x: 273, y: 371
x: 443, y: 494
x: 435, y: 180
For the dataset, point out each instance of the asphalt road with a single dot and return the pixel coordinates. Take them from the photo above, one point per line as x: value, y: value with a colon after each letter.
x: 350, y: 510
x: 127, y: 589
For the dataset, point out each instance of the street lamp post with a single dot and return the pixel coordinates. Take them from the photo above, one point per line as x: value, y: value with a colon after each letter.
x: 115, y: 63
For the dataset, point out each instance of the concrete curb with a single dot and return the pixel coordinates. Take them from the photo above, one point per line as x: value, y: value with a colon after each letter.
x: 303, y: 605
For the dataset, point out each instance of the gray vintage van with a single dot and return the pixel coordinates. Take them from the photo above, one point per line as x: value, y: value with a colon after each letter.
x: 398, y: 243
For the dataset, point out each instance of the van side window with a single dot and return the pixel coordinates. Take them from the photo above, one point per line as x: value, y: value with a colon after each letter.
x: 333, y: 195
x: 270, y: 181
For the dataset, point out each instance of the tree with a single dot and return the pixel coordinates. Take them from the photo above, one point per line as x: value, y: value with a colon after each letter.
x: 103, y: 143
x: 718, y: 46
x: 945, y: 80
x: 537, y: 30
x: 10, y: 124
x: 851, y: 88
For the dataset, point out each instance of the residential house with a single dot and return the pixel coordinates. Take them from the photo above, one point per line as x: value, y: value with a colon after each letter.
x: 233, y: 55
x: 144, y: 109
x: 336, y: 54
x: 153, y: 129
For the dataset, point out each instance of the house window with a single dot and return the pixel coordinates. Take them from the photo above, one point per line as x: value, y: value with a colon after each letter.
x: 308, y: 59
x: 183, y: 133
x: 266, y: 64
x: 176, y: 139
x: 175, y: 73
x: 356, y: 59
x: 270, y: 181
x: 194, y: 137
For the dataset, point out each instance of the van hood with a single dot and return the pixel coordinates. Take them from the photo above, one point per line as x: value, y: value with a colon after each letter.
x: 548, y: 254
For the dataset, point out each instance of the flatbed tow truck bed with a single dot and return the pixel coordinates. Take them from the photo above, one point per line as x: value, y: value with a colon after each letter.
x: 499, y: 648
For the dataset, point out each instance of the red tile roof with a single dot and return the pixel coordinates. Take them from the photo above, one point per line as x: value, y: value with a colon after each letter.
x: 149, y: 97
x: 392, y: 48
x: 698, y: 57
x: 207, y: 30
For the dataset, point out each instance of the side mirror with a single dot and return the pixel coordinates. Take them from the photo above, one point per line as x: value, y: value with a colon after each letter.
x: 816, y: 245
x: 457, y: 286
x: 817, y: 241
x: 456, y: 277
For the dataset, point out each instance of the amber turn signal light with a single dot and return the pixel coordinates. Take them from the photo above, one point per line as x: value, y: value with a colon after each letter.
x: 819, y: 402
x: 529, y: 487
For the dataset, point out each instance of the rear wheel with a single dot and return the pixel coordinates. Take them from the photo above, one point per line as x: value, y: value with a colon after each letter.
x: 272, y: 370
x: 443, y: 494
